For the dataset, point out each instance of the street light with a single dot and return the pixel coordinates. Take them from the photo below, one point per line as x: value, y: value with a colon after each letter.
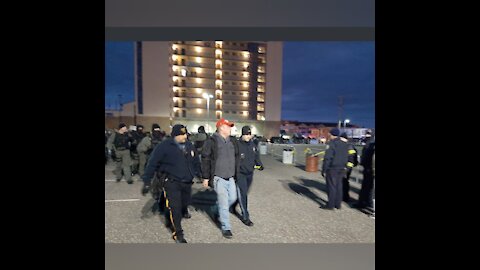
x: 345, y: 125
x: 208, y: 97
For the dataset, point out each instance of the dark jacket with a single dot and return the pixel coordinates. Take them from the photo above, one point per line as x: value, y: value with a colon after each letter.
x: 119, y: 142
x: 209, y: 158
x: 249, y: 156
x: 352, y: 156
x: 367, y: 156
x: 177, y: 164
x: 336, y: 156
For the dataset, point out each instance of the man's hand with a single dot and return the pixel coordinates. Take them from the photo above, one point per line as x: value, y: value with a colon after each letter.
x: 205, y: 183
x: 323, y: 174
x: 145, y: 189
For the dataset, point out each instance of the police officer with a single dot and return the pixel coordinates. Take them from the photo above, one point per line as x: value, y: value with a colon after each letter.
x: 146, y: 146
x: 249, y: 159
x: 352, y: 162
x: 119, y: 143
x: 137, y: 135
x: 368, y: 137
x: 200, y: 138
x: 178, y: 159
x: 144, y: 149
x: 364, y: 199
x: 334, y: 169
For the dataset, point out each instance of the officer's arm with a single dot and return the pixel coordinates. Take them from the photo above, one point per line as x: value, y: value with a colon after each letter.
x: 110, y: 141
x: 195, y: 160
x: 142, y: 146
x: 258, y: 162
x: 153, y: 164
x: 206, y: 159
x: 327, y: 159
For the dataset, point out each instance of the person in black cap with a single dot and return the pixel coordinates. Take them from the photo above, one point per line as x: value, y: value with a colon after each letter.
x: 334, y: 168
x: 200, y: 138
x: 365, y: 195
x: 137, y: 135
x: 368, y: 137
x: 352, y: 162
x: 177, y: 158
x: 146, y: 145
x: 119, y: 143
x: 249, y: 159
x: 145, y: 148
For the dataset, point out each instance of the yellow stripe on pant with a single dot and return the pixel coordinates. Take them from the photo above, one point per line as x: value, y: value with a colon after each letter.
x: 171, y: 216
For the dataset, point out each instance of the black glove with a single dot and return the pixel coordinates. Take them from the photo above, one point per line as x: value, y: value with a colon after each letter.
x: 145, y: 189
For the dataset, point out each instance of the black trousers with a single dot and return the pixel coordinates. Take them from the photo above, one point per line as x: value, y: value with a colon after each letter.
x: 346, y: 186
x: 178, y: 196
x: 243, y: 185
x: 365, y: 197
x: 334, y: 187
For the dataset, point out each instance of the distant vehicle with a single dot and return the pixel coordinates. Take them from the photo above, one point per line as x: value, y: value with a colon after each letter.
x: 298, y: 138
x: 278, y: 140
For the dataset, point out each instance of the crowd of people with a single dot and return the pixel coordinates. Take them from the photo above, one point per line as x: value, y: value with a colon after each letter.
x: 168, y: 165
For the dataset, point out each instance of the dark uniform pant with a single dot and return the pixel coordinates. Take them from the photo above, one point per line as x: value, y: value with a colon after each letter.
x: 334, y: 187
x: 178, y: 196
x: 365, y: 197
x: 346, y: 186
x: 243, y: 185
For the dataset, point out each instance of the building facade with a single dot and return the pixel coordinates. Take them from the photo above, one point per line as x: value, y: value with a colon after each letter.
x: 197, y: 82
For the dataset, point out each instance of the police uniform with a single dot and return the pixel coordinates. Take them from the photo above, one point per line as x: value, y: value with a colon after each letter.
x: 352, y: 162
x: 138, y: 136
x: 120, y: 145
x: 249, y: 158
x: 334, y: 168
x: 180, y: 163
x: 364, y: 199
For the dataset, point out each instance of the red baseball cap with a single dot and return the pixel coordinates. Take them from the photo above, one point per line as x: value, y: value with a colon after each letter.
x: 224, y: 121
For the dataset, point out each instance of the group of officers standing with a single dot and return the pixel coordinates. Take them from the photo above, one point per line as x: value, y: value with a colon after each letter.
x: 225, y: 164
x: 339, y: 160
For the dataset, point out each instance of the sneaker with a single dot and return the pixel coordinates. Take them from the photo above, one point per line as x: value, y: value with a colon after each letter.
x: 227, y: 234
x: 247, y: 222
x: 130, y: 182
x: 187, y: 215
x: 326, y: 208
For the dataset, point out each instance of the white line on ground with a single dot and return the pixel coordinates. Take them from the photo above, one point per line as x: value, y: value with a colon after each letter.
x: 110, y: 180
x: 125, y: 200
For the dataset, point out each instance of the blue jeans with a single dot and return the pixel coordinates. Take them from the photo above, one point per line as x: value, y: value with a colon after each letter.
x: 226, y: 196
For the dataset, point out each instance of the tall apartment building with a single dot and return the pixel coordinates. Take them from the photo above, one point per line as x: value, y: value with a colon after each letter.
x: 197, y: 82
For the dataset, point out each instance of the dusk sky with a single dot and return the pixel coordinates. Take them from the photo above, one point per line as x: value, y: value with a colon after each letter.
x: 315, y: 74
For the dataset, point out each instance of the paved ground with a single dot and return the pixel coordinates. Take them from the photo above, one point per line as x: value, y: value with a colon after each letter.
x: 284, y: 203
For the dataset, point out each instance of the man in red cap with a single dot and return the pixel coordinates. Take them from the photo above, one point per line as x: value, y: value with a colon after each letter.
x: 220, y: 164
